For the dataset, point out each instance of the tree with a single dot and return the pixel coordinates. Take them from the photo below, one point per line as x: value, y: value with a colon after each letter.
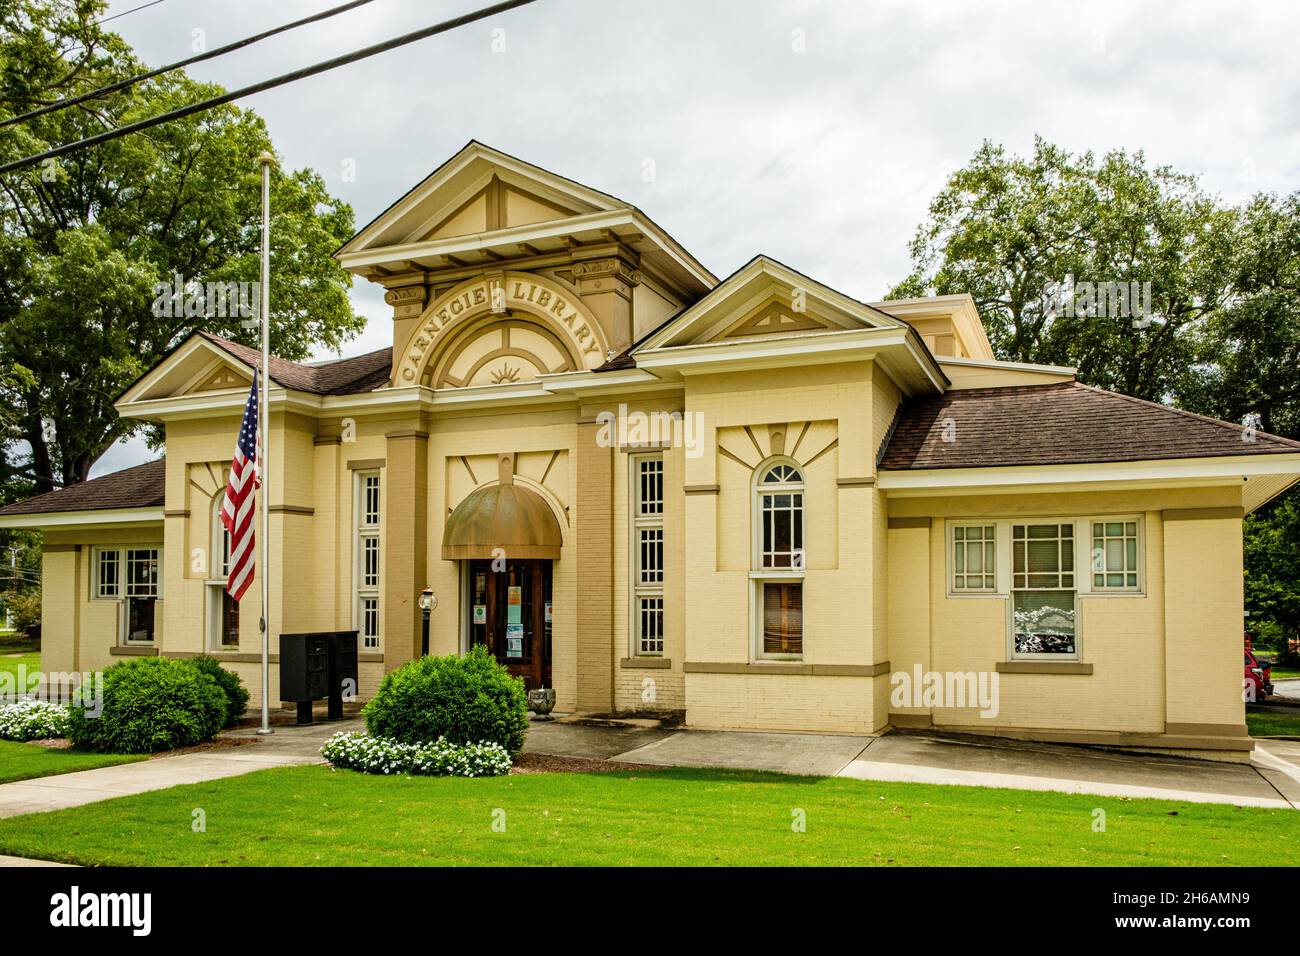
x: 1011, y: 230
x: 1249, y: 351
x: 86, y: 242
x: 1224, y: 331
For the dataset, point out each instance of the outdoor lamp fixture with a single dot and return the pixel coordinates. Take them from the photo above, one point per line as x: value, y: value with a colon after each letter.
x: 427, y: 603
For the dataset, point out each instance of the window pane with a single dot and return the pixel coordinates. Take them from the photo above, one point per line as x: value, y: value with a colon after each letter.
x: 139, y: 620
x: 142, y: 572
x: 229, y: 630
x: 650, y: 486
x: 783, y: 618
x: 109, y: 569
x: 1115, y: 553
x: 651, y: 613
x: 1044, y: 556
x: 1044, y: 622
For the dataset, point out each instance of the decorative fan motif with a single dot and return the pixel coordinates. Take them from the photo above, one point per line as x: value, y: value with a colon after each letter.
x: 505, y: 374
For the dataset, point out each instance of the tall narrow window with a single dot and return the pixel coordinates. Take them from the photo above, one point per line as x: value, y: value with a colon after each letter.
x: 974, y: 564
x: 648, y: 554
x: 1115, y: 556
x: 366, y: 559
x: 779, y: 560
x: 223, y: 610
x: 1043, y: 590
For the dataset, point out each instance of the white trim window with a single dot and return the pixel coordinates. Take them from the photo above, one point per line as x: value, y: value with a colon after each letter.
x: 130, y: 576
x: 974, y: 558
x: 779, y: 561
x: 1044, y: 596
x: 1116, y: 555
x: 223, y: 610
x: 365, y: 559
x: 647, y: 555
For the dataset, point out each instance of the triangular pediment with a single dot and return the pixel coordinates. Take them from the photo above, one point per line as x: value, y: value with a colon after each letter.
x: 195, y: 367
x: 766, y: 298
x: 479, y: 190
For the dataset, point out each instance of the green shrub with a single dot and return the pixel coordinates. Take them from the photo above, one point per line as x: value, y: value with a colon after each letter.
x: 24, y: 607
x: 465, y: 700
x: 229, y: 682
x: 149, y: 705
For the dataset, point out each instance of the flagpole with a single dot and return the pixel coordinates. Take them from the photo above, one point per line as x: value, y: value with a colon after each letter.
x: 263, y: 433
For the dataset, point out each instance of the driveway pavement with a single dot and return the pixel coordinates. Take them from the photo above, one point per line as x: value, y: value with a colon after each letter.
x: 1289, y: 688
x: 1272, y: 779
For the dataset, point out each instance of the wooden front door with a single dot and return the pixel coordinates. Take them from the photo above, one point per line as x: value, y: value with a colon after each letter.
x: 509, y: 613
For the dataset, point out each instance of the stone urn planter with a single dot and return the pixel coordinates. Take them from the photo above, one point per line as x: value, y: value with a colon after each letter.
x: 541, y: 702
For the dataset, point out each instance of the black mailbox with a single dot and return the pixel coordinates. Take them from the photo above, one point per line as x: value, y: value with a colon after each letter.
x: 343, y: 675
x: 315, y: 666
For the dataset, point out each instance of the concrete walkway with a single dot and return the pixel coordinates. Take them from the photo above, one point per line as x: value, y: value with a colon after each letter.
x: 1272, y: 779
x: 286, y: 747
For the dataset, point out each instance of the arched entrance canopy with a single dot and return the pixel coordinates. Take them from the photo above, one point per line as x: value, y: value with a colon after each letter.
x: 510, y: 517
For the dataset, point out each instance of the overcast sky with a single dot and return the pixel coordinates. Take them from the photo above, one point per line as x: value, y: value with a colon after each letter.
x: 816, y: 133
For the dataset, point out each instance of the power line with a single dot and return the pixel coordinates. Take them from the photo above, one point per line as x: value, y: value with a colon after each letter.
x: 219, y: 51
x: 153, y: 3
x: 303, y: 73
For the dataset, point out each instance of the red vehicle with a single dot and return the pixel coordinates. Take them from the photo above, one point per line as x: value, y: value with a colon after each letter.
x: 1259, y: 676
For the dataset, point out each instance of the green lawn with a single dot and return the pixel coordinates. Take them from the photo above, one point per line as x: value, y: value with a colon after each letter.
x: 18, y: 649
x: 24, y: 761
x: 1285, y: 673
x: 316, y: 816
x: 1273, y: 725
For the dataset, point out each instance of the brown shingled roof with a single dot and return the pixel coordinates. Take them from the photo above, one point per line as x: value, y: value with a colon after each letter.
x: 1058, y: 424
x: 138, y: 487
x: 348, y: 376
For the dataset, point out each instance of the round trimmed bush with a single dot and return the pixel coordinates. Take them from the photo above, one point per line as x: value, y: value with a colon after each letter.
x: 149, y: 705
x: 230, y: 684
x: 466, y: 699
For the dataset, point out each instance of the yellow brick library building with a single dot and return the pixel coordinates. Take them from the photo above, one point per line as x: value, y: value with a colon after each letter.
x: 754, y: 501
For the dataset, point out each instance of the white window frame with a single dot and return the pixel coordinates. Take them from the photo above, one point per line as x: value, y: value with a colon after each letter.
x: 218, y: 577
x: 1083, y: 585
x: 364, y: 531
x: 761, y: 575
x: 1076, y: 553
x: 642, y: 643
x: 119, y: 594
x: 994, y: 572
x: 1138, y: 590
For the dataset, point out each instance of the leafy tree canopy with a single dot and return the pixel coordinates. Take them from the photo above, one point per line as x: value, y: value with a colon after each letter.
x: 86, y: 239
x: 1218, y: 333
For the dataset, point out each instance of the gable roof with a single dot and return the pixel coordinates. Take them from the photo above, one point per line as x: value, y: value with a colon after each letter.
x: 1057, y: 424
x: 138, y: 487
x: 749, y: 276
x: 467, y: 156
x: 348, y: 376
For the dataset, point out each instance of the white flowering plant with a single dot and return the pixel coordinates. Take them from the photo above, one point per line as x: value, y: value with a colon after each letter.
x: 33, y: 720
x: 356, y: 750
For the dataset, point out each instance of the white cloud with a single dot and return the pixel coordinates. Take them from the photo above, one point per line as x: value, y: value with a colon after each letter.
x: 825, y: 159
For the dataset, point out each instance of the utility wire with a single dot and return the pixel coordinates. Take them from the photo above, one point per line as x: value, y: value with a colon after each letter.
x: 303, y: 73
x: 142, y: 6
x: 180, y: 64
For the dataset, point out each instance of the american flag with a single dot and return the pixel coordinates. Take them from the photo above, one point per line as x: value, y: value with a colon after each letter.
x: 237, y: 510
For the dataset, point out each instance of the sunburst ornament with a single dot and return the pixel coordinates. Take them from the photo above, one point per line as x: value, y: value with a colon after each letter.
x: 505, y: 374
